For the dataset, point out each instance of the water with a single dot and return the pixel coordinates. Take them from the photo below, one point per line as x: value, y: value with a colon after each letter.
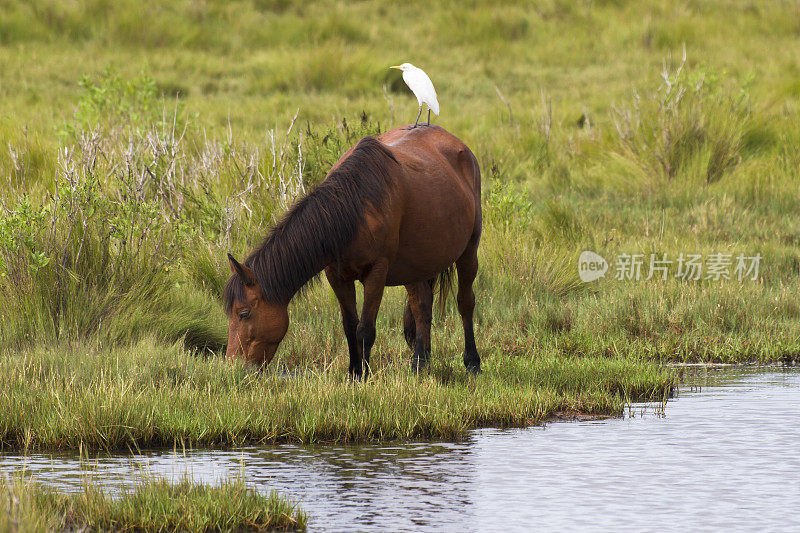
x: 722, y: 455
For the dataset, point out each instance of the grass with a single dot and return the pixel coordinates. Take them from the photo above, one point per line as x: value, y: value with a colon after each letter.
x: 141, y: 147
x: 149, y: 396
x: 154, y: 505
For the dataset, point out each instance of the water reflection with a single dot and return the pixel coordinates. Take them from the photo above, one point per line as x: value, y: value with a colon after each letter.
x: 724, y: 454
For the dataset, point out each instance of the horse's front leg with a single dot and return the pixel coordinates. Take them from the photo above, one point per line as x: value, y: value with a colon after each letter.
x: 345, y: 292
x: 374, y: 283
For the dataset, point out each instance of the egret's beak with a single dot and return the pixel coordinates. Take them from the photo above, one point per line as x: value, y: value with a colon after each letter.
x: 397, y: 67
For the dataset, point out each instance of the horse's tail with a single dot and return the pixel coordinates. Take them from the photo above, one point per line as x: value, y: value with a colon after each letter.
x: 443, y: 284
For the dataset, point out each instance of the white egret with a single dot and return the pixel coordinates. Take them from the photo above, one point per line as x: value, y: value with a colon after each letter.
x: 422, y: 87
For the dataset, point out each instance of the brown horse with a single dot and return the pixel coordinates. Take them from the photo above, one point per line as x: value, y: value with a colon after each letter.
x: 397, y: 210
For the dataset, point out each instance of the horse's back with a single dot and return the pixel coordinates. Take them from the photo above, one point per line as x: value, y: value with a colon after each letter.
x: 423, y: 144
x: 434, y: 159
x: 439, y: 187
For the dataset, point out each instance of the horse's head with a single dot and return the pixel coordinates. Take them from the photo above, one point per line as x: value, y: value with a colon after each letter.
x: 255, y: 326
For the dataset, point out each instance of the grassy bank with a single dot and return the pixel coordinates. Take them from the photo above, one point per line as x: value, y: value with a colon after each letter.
x: 154, y: 505
x: 140, y: 148
x: 147, y: 396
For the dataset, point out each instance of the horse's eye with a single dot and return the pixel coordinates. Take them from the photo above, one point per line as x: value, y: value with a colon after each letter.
x: 244, y: 314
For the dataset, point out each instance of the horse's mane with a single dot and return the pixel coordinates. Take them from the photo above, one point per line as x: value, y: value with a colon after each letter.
x: 319, y: 226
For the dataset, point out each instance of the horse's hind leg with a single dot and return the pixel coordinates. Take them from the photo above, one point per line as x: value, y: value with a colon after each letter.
x: 467, y: 266
x: 409, y: 324
x: 420, y: 300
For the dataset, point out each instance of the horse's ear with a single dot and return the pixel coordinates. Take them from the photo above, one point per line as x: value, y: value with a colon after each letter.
x: 246, y: 275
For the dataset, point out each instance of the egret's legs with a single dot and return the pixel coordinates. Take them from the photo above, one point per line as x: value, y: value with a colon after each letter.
x: 429, y: 117
x: 418, y: 115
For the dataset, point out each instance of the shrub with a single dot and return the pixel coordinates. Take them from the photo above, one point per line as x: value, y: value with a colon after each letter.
x: 687, y: 130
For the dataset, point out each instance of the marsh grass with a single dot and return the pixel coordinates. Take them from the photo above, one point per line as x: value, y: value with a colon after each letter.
x: 149, y: 396
x: 154, y: 504
x: 141, y: 147
x: 105, y: 252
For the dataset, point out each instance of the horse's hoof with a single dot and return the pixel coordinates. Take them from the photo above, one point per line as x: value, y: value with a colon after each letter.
x: 474, y: 369
x: 418, y: 365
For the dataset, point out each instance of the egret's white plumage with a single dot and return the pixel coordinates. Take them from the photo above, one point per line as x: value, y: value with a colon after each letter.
x: 422, y: 87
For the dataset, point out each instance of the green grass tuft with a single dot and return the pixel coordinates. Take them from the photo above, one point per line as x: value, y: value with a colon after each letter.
x: 154, y: 505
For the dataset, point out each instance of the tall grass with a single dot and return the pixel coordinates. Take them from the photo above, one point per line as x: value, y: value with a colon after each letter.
x: 129, y: 237
x: 116, y: 242
x: 688, y: 130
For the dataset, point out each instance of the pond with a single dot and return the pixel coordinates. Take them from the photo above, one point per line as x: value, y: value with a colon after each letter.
x: 724, y: 453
